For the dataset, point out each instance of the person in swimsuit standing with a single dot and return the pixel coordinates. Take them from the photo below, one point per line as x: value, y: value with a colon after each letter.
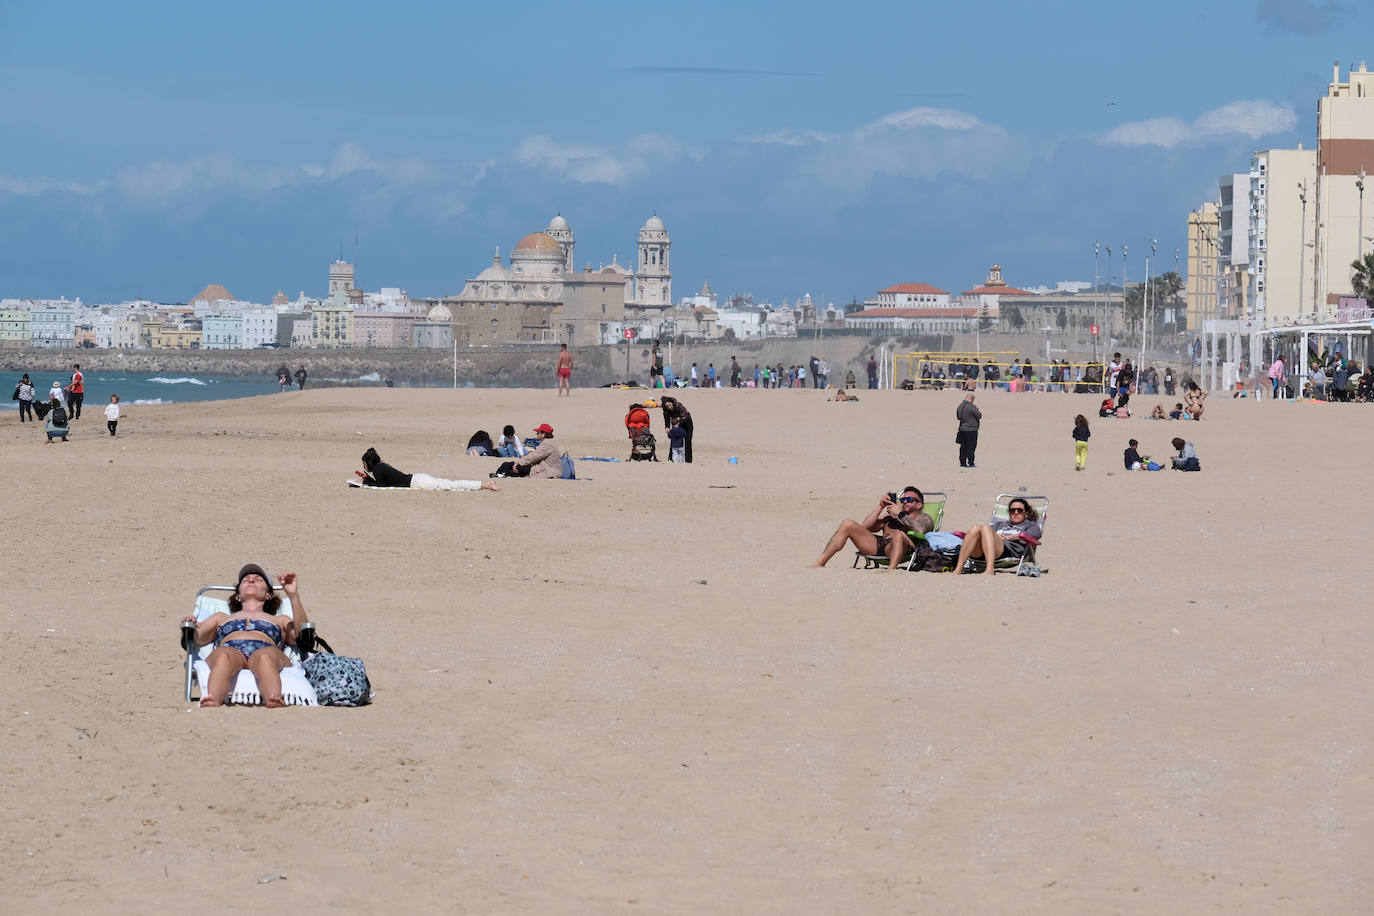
x: 565, y: 366
x: 252, y: 635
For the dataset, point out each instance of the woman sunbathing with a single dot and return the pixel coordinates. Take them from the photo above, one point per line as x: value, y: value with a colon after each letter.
x: 1001, y: 537
x: 1158, y: 413
x: 252, y: 635
x: 378, y: 473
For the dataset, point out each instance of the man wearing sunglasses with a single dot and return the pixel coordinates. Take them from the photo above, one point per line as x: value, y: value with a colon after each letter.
x: 882, y: 532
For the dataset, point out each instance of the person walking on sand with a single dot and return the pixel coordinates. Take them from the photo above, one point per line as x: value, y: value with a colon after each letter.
x: 1081, y: 434
x: 112, y: 414
x: 76, y: 392
x: 565, y: 367
x: 23, y: 393
x: 872, y: 372
x: 969, y: 417
x: 300, y: 378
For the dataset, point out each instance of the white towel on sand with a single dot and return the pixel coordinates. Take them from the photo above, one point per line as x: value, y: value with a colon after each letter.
x: 295, y: 689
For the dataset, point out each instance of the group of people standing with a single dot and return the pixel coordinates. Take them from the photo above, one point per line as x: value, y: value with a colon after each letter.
x: 62, y: 405
x: 284, y: 378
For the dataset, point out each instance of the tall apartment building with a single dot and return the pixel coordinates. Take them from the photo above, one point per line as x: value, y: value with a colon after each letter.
x: 1283, y: 219
x: 1204, y: 266
x: 1235, y: 246
x: 1345, y: 152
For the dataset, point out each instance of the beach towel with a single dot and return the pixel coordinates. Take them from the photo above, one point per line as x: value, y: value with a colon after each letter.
x: 295, y: 689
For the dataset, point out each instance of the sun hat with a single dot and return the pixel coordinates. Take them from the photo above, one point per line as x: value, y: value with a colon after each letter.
x: 544, y: 428
x: 251, y: 569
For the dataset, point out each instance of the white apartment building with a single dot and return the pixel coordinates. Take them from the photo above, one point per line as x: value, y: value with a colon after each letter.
x: 221, y: 332
x: 126, y: 332
x: 1345, y: 153
x: 1283, y: 219
x: 912, y: 296
x: 52, y: 323
x: 1234, y: 233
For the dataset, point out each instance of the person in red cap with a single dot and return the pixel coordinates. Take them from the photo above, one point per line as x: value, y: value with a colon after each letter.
x: 545, y: 461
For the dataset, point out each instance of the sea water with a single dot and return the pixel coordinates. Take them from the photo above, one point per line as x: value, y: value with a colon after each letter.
x: 167, y: 389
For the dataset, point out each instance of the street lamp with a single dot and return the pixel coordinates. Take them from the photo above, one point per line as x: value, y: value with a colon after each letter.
x: 1359, y: 226
x: 1302, y: 242
x: 1097, y: 310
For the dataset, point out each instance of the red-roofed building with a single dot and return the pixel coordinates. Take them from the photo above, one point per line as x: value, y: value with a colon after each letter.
x: 913, y: 295
x: 986, y: 300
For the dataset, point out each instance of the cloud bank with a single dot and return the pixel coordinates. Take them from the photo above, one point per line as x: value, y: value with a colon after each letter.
x: 1252, y: 119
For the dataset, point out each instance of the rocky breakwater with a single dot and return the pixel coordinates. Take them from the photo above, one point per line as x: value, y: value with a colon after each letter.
x: 483, y: 367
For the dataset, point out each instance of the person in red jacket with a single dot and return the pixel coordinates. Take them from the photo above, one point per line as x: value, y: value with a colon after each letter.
x: 76, y: 391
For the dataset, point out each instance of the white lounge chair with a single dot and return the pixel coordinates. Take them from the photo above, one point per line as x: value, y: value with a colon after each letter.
x: 295, y: 689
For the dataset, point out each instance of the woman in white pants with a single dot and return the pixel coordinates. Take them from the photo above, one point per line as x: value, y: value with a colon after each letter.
x: 377, y: 473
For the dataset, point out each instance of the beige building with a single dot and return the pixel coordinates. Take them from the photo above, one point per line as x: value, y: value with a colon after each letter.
x: 382, y: 329
x: 1283, y: 219
x: 1204, y: 265
x: 14, y: 327
x: 331, y: 323
x: 592, y: 301
x: 1345, y: 152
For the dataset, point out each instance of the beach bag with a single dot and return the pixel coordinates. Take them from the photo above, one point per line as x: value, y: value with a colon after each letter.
x: 569, y: 470
x: 16, y: 393
x: 338, y: 679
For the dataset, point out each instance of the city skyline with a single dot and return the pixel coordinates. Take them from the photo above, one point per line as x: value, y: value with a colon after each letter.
x: 786, y: 156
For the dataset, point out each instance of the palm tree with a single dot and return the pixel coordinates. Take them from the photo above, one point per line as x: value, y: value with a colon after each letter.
x: 1362, y: 277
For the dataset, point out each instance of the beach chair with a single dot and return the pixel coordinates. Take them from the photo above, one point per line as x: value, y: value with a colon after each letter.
x: 934, y: 507
x: 295, y: 689
x: 1026, y: 562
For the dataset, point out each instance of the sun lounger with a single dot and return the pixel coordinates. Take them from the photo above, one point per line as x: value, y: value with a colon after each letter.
x: 934, y: 507
x: 1026, y: 564
x: 295, y: 689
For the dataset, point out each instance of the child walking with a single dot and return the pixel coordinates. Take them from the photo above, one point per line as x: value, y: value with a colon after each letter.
x: 1081, y: 435
x: 112, y: 414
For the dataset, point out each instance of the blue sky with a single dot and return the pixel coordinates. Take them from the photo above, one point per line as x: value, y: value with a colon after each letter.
x: 152, y: 148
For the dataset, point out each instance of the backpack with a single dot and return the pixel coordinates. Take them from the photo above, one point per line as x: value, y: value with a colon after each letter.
x: 59, y: 416
x: 645, y: 447
x: 338, y: 680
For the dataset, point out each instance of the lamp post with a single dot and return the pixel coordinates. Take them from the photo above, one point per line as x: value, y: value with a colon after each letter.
x: 1123, y: 279
x: 1109, y: 285
x: 1359, y: 225
x: 1096, y: 308
x: 1302, y: 242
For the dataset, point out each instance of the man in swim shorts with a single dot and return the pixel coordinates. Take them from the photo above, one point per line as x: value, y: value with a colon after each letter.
x: 565, y: 367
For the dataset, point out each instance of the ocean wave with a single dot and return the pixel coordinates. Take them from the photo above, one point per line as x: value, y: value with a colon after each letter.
x: 150, y: 401
x: 183, y: 380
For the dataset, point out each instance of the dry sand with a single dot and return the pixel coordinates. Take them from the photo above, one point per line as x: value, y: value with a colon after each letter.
x: 629, y: 694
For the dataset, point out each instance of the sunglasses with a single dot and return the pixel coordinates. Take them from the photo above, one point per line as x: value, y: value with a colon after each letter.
x: 910, y: 499
x: 1016, y: 509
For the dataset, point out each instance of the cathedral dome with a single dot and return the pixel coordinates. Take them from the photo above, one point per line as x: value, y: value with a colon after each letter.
x: 654, y: 222
x: 558, y: 223
x: 439, y: 313
x: 537, y: 245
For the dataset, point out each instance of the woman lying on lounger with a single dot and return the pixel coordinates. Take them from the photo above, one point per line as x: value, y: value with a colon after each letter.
x: 377, y: 473
x: 252, y: 635
x: 1003, y: 537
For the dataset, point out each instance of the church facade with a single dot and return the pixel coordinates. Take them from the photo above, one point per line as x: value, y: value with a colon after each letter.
x: 539, y: 296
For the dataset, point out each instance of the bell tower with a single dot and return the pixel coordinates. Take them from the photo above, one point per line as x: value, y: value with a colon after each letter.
x: 653, y: 274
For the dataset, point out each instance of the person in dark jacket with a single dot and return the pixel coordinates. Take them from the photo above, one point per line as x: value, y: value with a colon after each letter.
x: 674, y: 411
x: 378, y: 473
x: 969, y: 418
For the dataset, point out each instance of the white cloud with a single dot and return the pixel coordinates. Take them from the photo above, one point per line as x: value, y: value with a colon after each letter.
x: 601, y: 165
x: 1252, y: 118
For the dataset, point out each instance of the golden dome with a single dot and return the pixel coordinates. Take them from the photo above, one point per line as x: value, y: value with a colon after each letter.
x: 538, y: 243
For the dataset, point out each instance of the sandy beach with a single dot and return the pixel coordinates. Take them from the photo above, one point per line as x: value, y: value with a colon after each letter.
x: 629, y: 694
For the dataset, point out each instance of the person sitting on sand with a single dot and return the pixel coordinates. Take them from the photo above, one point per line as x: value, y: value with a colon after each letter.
x: 1107, y: 408
x: 509, y: 445
x: 882, y: 532
x: 258, y: 634
x: 1177, y: 412
x: 1001, y: 537
x: 1132, y: 458
x: 842, y: 395
x: 1187, y: 456
x: 545, y: 461
x: 1158, y: 413
x: 480, y: 445
x: 57, y: 421
x: 377, y: 473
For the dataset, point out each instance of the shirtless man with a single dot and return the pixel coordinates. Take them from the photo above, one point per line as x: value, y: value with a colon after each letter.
x: 565, y: 367
x: 874, y: 535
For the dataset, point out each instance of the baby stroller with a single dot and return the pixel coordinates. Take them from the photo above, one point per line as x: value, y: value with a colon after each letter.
x: 643, y: 445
